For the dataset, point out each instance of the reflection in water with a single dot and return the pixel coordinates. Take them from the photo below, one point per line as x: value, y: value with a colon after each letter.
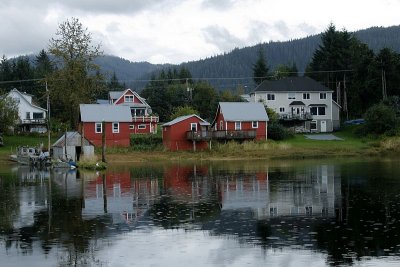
x: 257, y: 214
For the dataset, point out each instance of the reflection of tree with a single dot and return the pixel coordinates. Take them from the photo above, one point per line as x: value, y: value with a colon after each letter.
x: 369, y: 226
x: 170, y: 213
x: 9, y: 203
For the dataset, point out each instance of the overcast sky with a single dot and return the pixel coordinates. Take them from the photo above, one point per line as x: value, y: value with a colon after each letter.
x: 175, y: 31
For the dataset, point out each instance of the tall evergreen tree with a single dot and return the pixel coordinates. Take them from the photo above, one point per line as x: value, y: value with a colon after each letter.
x: 260, y: 68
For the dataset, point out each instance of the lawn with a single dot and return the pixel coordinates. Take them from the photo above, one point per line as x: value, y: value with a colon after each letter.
x: 297, y: 147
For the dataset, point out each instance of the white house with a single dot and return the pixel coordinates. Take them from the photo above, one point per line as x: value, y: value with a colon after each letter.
x: 32, y: 118
x: 300, y: 100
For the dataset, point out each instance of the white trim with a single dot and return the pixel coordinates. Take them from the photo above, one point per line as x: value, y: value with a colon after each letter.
x: 252, y: 125
x: 115, y: 127
x: 240, y: 126
x: 195, y: 126
x: 96, y: 124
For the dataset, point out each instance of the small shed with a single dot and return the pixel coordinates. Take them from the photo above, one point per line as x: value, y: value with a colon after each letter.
x: 186, y: 133
x: 69, y: 146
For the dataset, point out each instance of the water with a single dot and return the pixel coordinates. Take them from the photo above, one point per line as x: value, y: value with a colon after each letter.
x: 301, y: 213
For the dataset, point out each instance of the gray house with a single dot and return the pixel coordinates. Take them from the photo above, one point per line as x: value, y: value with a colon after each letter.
x: 69, y: 146
x: 301, y: 100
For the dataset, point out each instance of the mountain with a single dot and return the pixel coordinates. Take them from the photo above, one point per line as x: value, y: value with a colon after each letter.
x: 234, y: 68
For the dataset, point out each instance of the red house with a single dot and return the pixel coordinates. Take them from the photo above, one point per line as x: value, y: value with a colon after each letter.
x: 143, y: 121
x: 113, y: 121
x: 240, y: 120
x: 186, y: 133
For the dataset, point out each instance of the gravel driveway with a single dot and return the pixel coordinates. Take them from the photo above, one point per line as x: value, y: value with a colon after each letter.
x: 322, y: 137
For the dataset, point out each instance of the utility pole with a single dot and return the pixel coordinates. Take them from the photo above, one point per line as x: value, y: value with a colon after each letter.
x: 48, y: 118
x: 384, y: 93
x: 189, y: 90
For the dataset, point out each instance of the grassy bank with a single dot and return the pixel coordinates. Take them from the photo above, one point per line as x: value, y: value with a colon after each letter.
x: 297, y: 147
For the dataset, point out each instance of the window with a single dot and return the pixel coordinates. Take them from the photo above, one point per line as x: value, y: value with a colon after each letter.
x: 322, y: 95
x: 221, y: 125
x: 128, y: 98
x: 142, y: 126
x: 254, y: 124
x: 28, y: 116
x: 317, y: 111
x: 137, y: 112
x: 98, y: 127
x: 238, y: 125
x: 313, y: 125
x: 270, y: 97
x: 131, y: 126
x: 306, y: 95
x: 37, y: 115
x: 273, y: 211
x: 291, y: 96
x: 282, y: 109
x: 115, y: 127
x: 308, y: 210
x: 193, y: 127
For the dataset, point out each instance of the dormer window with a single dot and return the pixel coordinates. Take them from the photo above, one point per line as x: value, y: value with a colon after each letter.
x: 128, y: 98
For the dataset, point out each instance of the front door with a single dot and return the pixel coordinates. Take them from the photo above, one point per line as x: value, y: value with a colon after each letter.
x: 323, y: 126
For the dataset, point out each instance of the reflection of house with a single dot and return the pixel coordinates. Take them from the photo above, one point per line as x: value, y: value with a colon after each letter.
x: 185, y: 133
x: 300, y: 101
x: 240, y: 120
x: 316, y: 192
x: 69, y: 146
x: 115, y: 120
x: 143, y: 121
x: 118, y: 194
x: 32, y: 118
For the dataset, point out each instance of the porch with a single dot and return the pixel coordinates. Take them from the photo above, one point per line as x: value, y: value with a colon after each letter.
x: 220, y: 135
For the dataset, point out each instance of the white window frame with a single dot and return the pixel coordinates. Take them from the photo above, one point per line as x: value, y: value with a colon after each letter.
x: 271, y: 97
x: 193, y: 125
x: 131, y: 126
x: 238, y: 125
x: 282, y: 110
x: 141, y: 126
x: 254, y: 124
x: 221, y: 125
x: 322, y: 96
x: 129, y: 98
x: 115, y: 127
x: 306, y: 96
x: 98, y: 125
x: 313, y: 122
x: 291, y: 96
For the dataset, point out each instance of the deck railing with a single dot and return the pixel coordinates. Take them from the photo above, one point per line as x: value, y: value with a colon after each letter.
x: 220, y: 135
x: 289, y: 116
x: 145, y: 118
x: 33, y: 121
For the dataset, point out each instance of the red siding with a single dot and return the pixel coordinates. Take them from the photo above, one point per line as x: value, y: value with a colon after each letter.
x: 174, y: 136
x: 261, y: 131
x: 122, y: 98
x: 112, y: 139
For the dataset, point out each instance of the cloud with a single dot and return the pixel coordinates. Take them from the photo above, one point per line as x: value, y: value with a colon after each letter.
x: 221, y: 38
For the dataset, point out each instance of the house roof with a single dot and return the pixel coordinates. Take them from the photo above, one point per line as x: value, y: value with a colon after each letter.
x: 297, y: 103
x: 243, y: 111
x: 107, y: 113
x: 73, y: 139
x: 26, y: 97
x: 182, y: 118
x: 292, y: 84
x: 118, y: 94
x: 102, y: 101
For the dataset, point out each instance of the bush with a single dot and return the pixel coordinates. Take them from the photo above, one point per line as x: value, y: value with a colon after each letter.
x: 145, y: 141
x: 277, y: 132
x: 379, y: 119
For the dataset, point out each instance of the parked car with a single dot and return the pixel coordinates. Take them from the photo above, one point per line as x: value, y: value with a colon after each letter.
x: 354, y: 122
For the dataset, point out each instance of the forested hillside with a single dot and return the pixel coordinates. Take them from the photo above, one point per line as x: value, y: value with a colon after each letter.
x: 234, y: 68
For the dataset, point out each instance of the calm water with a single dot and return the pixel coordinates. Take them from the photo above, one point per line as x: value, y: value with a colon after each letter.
x: 309, y: 213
